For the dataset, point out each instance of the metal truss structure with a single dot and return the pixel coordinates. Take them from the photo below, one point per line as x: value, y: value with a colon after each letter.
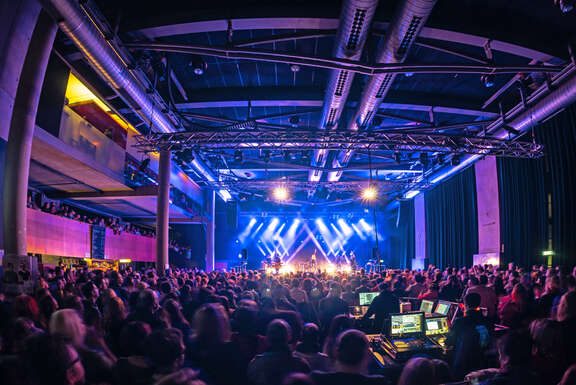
x: 367, y: 140
x: 309, y: 186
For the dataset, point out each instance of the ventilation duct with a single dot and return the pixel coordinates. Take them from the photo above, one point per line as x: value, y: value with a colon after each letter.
x: 108, y: 63
x: 400, y: 36
x: 355, y: 21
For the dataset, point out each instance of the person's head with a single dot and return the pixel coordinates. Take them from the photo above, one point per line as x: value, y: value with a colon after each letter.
x: 384, y: 286
x: 483, y: 280
x: 165, y: 349
x: 278, y: 334
x: 212, y: 324
x: 418, y: 371
x: 47, y: 305
x: 90, y: 291
x: 339, y: 323
x: 68, y: 325
x: 569, y: 377
x: 132, y: 337
x: 519, y: 294
x: 51, y: 361
x: 567, y: 307
x: 336, y: 290
x: 547, y: 337
x: 472, y: 301
x: 352, y: 350
x: 25, y: 306
x: 310, y: 335
x: 514, y: 349
x: 298, y: 379
x: 148, y: 299
x: 245, y: 319
x: 419, y: 278
x: 114, y: 309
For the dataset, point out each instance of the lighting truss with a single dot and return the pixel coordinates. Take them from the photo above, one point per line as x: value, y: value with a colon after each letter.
x: 306, y: 185
x: 365, y: 140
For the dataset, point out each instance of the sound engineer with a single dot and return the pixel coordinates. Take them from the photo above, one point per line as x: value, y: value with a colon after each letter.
x: 383, y: 304
x: 469, y: 336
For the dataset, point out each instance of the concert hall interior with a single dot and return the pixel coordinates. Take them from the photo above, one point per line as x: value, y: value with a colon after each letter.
x: 274, y: 192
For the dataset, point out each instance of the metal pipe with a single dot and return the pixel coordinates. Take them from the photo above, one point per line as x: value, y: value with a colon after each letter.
x: 543, y: 103
x: 407, y: 24
x: 19, y: 146
x: 112, y: 67
x: 355, y: 20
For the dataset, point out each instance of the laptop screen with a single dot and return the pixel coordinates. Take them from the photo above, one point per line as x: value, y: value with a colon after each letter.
x: 436, y: 326
x: 442, y: 308
x: 426, y: 306
x: 406, y: 324
x: 366, y: 298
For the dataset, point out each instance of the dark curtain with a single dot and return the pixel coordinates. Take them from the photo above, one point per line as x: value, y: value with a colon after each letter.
x: 523, y: 218
x: 405, y: 225
x: 529, y: 188
x: 452, y: 221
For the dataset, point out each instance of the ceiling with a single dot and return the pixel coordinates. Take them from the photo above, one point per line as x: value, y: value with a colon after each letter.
x: 277, y: 95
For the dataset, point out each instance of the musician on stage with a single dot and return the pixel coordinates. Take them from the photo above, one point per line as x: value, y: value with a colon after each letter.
x: 352, y: 258
x: 313, y: 262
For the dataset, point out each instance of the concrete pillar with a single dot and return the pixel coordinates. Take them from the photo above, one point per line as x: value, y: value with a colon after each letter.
x: 210, y: 226
x: 20, y: 137
x: 488, y: 204
x: 18, y: 19
x: 420, y: 239
x: 163, y: 212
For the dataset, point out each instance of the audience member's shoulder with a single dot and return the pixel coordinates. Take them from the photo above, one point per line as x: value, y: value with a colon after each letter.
x: 339, y: 378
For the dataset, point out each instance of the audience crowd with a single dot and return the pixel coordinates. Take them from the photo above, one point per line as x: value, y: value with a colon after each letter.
x: 190, y: 327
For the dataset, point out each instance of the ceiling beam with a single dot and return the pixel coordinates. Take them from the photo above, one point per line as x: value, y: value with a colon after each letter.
x: 314, y: 23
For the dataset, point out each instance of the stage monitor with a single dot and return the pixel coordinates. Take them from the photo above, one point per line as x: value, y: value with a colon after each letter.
x: 426, y: 306
x: 442, y: 308
x: 367, y: 298
x: 437, y: 326
x: 407, y: 325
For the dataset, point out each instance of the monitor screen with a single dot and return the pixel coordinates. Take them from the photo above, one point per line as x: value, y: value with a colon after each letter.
x: 366, y: 298
x: 426, y: 306
x: 436, y: 325
x: 442, y: 308
x: 407, y: 323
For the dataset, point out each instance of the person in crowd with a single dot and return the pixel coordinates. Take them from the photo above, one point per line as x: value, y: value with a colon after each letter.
x: 488, y: 298
x: 383, y: 304
x: 418, y: 287
x: 548, y: 358
x: 418, y: 371
x: 331, y: 306
x: 338, y: 325
x: 514, y: 350
x: 278, y: 362
x: 310, y: 350
x: 352, y: 356
x: 469, y: 337
x: 517, y: 311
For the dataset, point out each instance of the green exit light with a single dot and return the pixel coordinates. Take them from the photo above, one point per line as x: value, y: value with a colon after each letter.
x: 548, y: 252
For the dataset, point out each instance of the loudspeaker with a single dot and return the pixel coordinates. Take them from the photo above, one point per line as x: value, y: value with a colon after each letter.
x: 245, y: 254
x: 232, y: 215
x: 375, y: 253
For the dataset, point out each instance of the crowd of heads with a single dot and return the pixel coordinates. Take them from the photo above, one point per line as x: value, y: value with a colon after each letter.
x: 191, y: 327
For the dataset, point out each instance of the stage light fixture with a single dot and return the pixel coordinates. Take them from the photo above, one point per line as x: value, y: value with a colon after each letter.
x: 369, y: 193
x: 565, y: 5
x: 294, y: 120
x: 424, y: 161
x: 266, y: 155
x: 441, y: 158
x: 398, y: 157
x: 488, y: 80
x: 455, y: 160
x: 280, y: 193
x: 199, y: 66
x: 238, y: 156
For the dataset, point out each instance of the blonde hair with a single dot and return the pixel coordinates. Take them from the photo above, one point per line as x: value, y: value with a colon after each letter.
x: 68, y: 325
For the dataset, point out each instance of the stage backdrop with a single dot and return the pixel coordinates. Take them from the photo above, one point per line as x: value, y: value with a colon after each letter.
x: 452, y: 221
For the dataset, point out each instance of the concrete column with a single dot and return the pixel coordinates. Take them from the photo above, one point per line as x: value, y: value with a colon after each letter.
x: 210, y: 225
x: 488, y: 204
x: 163, y: 212
x: 420, y: 239
x: 18, y: 19
x: 20, y: 137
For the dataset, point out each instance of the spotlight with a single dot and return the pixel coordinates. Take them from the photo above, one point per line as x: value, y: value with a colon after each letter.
x: 455, y: 160
x: 294, y: 67
x: 287, y: 156
x: 488, y: 80
x: 398, y: 157
x: 238, y: 156
x: 369, y: 193
x: 294, y: 120
x: 144, y: 165
x: 280, y: 193
x: 199, y: 66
